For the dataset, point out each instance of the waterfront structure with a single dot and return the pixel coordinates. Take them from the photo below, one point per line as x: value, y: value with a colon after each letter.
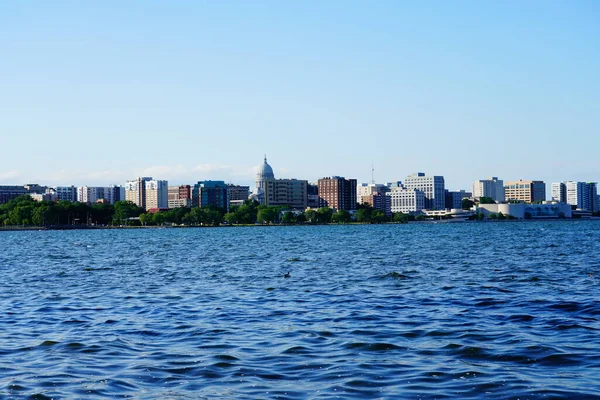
x: 431, y: 186
x: 312, y: 195
x: 237, y: 194
x: 455, y: 214
x: 368, y: 189
x: 490, y: 187
x: 406, y: 200
x: 285, y: 192
x: 210, y: 193
x: 338, y: 193
x: 559, y: 192
x: 66, y: 193
x: 525, y: 191
x: 9, y: 192
x: 157, y: 194
x: 454, y: 198
x: 522, y: 210
x: 135, y: 191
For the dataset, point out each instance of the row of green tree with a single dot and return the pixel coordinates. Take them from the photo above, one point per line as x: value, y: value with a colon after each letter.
x: 252, y: 212
x: 24, y: 211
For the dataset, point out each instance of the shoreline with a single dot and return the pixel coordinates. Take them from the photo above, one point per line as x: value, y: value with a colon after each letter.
x: 443, y: 221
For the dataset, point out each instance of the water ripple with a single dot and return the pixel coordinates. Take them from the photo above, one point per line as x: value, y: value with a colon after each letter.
x: 396, y: 311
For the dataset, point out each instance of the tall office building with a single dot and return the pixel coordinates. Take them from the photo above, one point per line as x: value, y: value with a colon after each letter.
x: 238, y: 194
x: 431, y: 186
x: 286, y: 192
x: 312, y: 194
x: 90, y: 194
x: 114, y: 193
x: 210, y: 193
x: 491, y: 187
x: 157, y: 194
x: 180, y: 196
x: 591, y: 197
x: 337, y: 192
x: 66, y: 193
x: 135, y: 191
x: 559, y: 192
x: 583, y: 195
x: 526, y: 191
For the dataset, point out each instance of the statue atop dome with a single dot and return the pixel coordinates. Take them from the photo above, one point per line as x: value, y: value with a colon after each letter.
x: 264, y: 172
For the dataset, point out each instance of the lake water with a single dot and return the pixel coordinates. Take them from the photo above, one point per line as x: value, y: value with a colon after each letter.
x: 473, y: 310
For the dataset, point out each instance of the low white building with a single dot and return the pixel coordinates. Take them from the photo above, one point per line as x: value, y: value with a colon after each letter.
x: 457, y: 214
x: 406, y: 200
x: 523, y: 210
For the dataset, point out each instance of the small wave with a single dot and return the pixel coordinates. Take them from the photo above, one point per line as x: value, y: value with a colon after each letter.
x: 560, y: 360
x: 520, y: 318
x: 49, y: 343
x: 394, y: 275
x: 296, y: 350
x: 372, y: 346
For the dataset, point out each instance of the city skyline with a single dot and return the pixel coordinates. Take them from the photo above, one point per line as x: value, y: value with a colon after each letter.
x: 101, y: 93
x: 248, y: 177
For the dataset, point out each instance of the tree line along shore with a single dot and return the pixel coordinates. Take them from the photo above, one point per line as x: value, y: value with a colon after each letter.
x: 24, y: 212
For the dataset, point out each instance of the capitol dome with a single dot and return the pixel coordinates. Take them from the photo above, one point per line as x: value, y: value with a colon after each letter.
x: 264, y: 172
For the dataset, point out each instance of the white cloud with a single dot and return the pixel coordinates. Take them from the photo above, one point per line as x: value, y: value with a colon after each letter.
x: 175, y: 174
x: 181, y: 174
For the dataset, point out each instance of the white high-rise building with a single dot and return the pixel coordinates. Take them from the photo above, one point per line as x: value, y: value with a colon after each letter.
x: 94, y: 194
x: 575, y: 193
x: 90, y: 194
x: 406, y: 200
x: 583, y: 195
x: 491, y: 187
x: 559, y: 192
x: 431, y: 186
x: 135, y: 191
x: 157, y: 194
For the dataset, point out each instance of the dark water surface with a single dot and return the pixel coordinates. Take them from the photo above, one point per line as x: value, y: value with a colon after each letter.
x: 482, y: 310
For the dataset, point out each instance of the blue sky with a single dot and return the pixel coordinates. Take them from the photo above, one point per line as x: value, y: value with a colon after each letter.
x: 99, y: 92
